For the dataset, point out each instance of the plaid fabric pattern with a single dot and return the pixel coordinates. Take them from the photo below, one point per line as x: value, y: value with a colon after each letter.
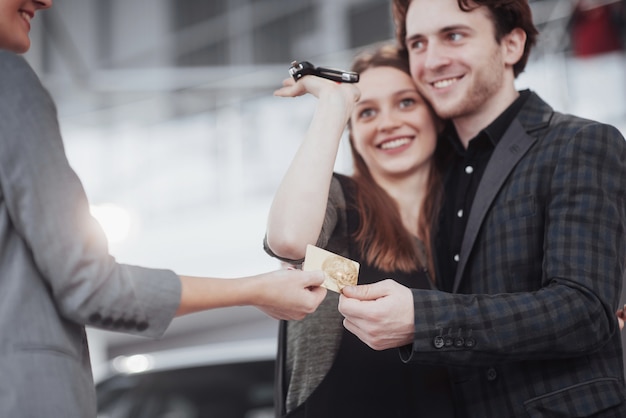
x: 530, y: 327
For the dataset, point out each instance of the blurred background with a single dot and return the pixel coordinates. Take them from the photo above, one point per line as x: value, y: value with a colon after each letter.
x: 168, y: 117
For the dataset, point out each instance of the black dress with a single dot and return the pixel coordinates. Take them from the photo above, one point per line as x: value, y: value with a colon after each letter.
x: 366, y: 383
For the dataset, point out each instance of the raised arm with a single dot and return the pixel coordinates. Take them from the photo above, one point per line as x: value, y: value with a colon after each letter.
x: 297, y: 212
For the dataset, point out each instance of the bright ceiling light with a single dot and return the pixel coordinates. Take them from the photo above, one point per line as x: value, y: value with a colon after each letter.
x: 133, y: 364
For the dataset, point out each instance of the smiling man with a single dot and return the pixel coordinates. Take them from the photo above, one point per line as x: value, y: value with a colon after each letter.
x: 531, y: 243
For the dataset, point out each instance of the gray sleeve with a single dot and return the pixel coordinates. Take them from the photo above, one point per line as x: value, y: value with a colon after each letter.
x: 48, y: 208
x: 333, y: 219
x: 312, y: 343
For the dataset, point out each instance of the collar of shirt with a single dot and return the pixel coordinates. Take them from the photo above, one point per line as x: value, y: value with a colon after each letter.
x: 464, y: 170
x: 494, y: 131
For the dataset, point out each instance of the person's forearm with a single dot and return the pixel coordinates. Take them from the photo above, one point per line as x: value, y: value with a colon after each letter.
x: 202, y: 293
x: 581, y: 324
x: 282, y: 294
x: 297, y: 212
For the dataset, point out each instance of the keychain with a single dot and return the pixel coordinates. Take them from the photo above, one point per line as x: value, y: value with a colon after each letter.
x: 299, y: 69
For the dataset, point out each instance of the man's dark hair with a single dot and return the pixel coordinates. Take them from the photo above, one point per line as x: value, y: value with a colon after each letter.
x: 506, y: 16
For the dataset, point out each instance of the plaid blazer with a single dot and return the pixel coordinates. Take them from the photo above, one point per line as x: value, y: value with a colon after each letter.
x: 530, y: 328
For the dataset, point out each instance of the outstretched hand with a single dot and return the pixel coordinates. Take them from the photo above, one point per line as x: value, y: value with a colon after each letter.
x: 380, y: 314
x: 290, y: 294
x: 282, y: 294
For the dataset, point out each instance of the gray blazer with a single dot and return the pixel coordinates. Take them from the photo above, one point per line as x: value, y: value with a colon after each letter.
x: 56, y: 274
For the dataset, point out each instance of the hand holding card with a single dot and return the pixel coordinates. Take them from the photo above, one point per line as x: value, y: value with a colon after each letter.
x: 339, y: 271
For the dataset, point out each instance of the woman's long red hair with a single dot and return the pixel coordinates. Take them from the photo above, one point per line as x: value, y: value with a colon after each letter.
x: 382, y: 239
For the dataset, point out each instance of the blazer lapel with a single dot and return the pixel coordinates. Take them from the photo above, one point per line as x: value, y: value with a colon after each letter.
x: 510, y: 149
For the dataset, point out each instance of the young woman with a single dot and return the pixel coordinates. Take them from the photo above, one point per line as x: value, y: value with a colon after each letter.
x: 56, y: 275
x: 380, y: 216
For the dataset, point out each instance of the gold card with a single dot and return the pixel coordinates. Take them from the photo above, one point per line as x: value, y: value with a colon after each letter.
x: 339, y: 271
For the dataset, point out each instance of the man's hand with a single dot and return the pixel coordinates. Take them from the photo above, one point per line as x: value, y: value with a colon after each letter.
x: 380, y: 314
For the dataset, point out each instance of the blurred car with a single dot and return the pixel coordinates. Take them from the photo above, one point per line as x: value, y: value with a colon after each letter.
x: 229, y: 380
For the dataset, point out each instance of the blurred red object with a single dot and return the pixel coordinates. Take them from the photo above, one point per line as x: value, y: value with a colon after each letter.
x: 597, y: 27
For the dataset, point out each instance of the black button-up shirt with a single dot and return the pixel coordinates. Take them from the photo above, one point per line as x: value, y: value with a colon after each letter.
x: 463, y: 171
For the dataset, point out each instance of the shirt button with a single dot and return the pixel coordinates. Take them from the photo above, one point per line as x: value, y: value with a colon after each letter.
x: 456, y: 258
x: 460, y: 213
x: 469, y: 169
x: 491, y: 374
